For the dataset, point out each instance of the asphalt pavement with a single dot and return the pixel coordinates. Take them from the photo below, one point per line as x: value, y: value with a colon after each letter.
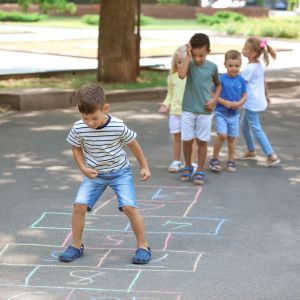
x: 237, y: 237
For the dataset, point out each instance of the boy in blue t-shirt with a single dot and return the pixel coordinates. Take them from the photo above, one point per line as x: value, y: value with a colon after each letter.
x: 233, y: 96
x: 198, y: 103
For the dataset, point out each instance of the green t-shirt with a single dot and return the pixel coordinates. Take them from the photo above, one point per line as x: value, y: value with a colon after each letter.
x: 198, y: 88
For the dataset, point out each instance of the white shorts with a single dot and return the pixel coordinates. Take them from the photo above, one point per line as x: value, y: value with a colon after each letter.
x: 175, y: 123
x: 195, y: 126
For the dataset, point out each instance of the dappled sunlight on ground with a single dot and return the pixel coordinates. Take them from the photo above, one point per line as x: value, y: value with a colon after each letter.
x: 50, y: 127
x: 29, y: 114
x: 6, y: 238
x: 145, y: 117
x: 67, y: 152
x: 22, y: 167
x: 28, y: 158
x: 57, y: 168
x: 28, y: 232
x: 295, y: 180
x: 4, y: 181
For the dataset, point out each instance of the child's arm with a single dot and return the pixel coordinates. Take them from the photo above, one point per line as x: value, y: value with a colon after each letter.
x: 224, y: 102
x: 137, y: 151
x: 210, y: 104
x: 182, y: 71
x: 80, y: 160
x: 241, y: 102
x: 267, y: 94
x: 164, y: 107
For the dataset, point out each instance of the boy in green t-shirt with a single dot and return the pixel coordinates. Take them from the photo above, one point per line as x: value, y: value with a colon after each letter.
x: 198, y: 103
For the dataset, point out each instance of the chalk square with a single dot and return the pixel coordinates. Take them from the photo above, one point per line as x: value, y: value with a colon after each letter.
x: 154, y: 224
x: 99, y: 258
x: 166, y: 193
x: 82, y: 278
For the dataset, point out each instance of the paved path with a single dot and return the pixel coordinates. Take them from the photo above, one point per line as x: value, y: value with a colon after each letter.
x: 20, y: 62
x: 237, y: 237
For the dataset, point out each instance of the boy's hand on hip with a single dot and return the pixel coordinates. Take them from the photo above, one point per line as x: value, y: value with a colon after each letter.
x: 145, y: 173
x: 90, y: 173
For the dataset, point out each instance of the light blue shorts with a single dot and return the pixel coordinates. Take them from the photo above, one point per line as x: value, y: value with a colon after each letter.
x: 227, y: 124
x: 120, y: 181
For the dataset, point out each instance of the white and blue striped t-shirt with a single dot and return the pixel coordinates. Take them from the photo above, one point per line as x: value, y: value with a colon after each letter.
x: 103, y: 147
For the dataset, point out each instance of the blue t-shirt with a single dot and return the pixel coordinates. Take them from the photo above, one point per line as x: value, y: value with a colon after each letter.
x: 233, y: 89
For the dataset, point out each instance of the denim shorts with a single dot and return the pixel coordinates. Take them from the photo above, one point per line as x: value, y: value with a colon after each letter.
x: 227, y: 124
x: 121, y: 181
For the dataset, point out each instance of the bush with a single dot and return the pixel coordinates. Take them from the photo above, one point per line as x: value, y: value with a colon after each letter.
x: 220, y: 17
x: 229, y: 16
x: 233, y: 23
x: 145, y: 20
x: 264, y: 28
x: 171, y: 1
x: 94, y: 20
x: 20, y: 17
x: 91, y: 19
x: 46, y: 6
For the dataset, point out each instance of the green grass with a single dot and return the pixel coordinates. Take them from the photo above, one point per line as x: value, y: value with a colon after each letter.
x: 147, y: 79
x: 288, y: 27
x: 76, y: 22
x: 56, y: 21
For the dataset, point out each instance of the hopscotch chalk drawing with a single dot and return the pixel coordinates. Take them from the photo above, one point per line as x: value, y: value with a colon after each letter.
x: 105, y: 271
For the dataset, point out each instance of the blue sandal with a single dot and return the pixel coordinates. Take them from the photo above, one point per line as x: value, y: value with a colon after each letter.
x: 71, y: 253
x: 142, y: 256
x: 199, y: 178
x: 187, y: 173
x: 231, y: 166
x: 215, y: 165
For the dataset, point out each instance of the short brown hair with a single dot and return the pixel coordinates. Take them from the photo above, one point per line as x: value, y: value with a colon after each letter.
x: 90, y: 97
x: 233, y: 54
x: 200, y: 40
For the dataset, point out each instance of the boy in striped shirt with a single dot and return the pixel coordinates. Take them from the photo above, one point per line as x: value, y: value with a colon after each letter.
x: 98, y: 141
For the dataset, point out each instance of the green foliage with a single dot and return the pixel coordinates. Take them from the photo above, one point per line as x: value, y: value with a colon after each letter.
x: 20, y: 17
x: 171, y: 1
x: 273, y: 27
x: 94, y: 20
x: 219, y: 18
x: 91, y: 19
x: 46, y: 6
x: 145, y: 20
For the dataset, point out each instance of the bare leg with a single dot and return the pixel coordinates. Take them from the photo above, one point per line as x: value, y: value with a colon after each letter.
x: 195, y: 152
x: 231, y: 147
x: 177, y: 146
x: 78, y: 220
x: 218, y: 145
x: 202, y: 151
x: 187, y: 151
x: 137, y: 225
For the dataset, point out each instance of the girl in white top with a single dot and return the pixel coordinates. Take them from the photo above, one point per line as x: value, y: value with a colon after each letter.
x: 173, y: 105
x: 257, y: 98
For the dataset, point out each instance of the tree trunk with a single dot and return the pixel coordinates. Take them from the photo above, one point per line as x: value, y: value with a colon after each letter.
x: 117, y: 46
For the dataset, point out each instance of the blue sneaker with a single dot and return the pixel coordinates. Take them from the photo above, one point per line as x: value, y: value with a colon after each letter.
x: 71, y: 253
